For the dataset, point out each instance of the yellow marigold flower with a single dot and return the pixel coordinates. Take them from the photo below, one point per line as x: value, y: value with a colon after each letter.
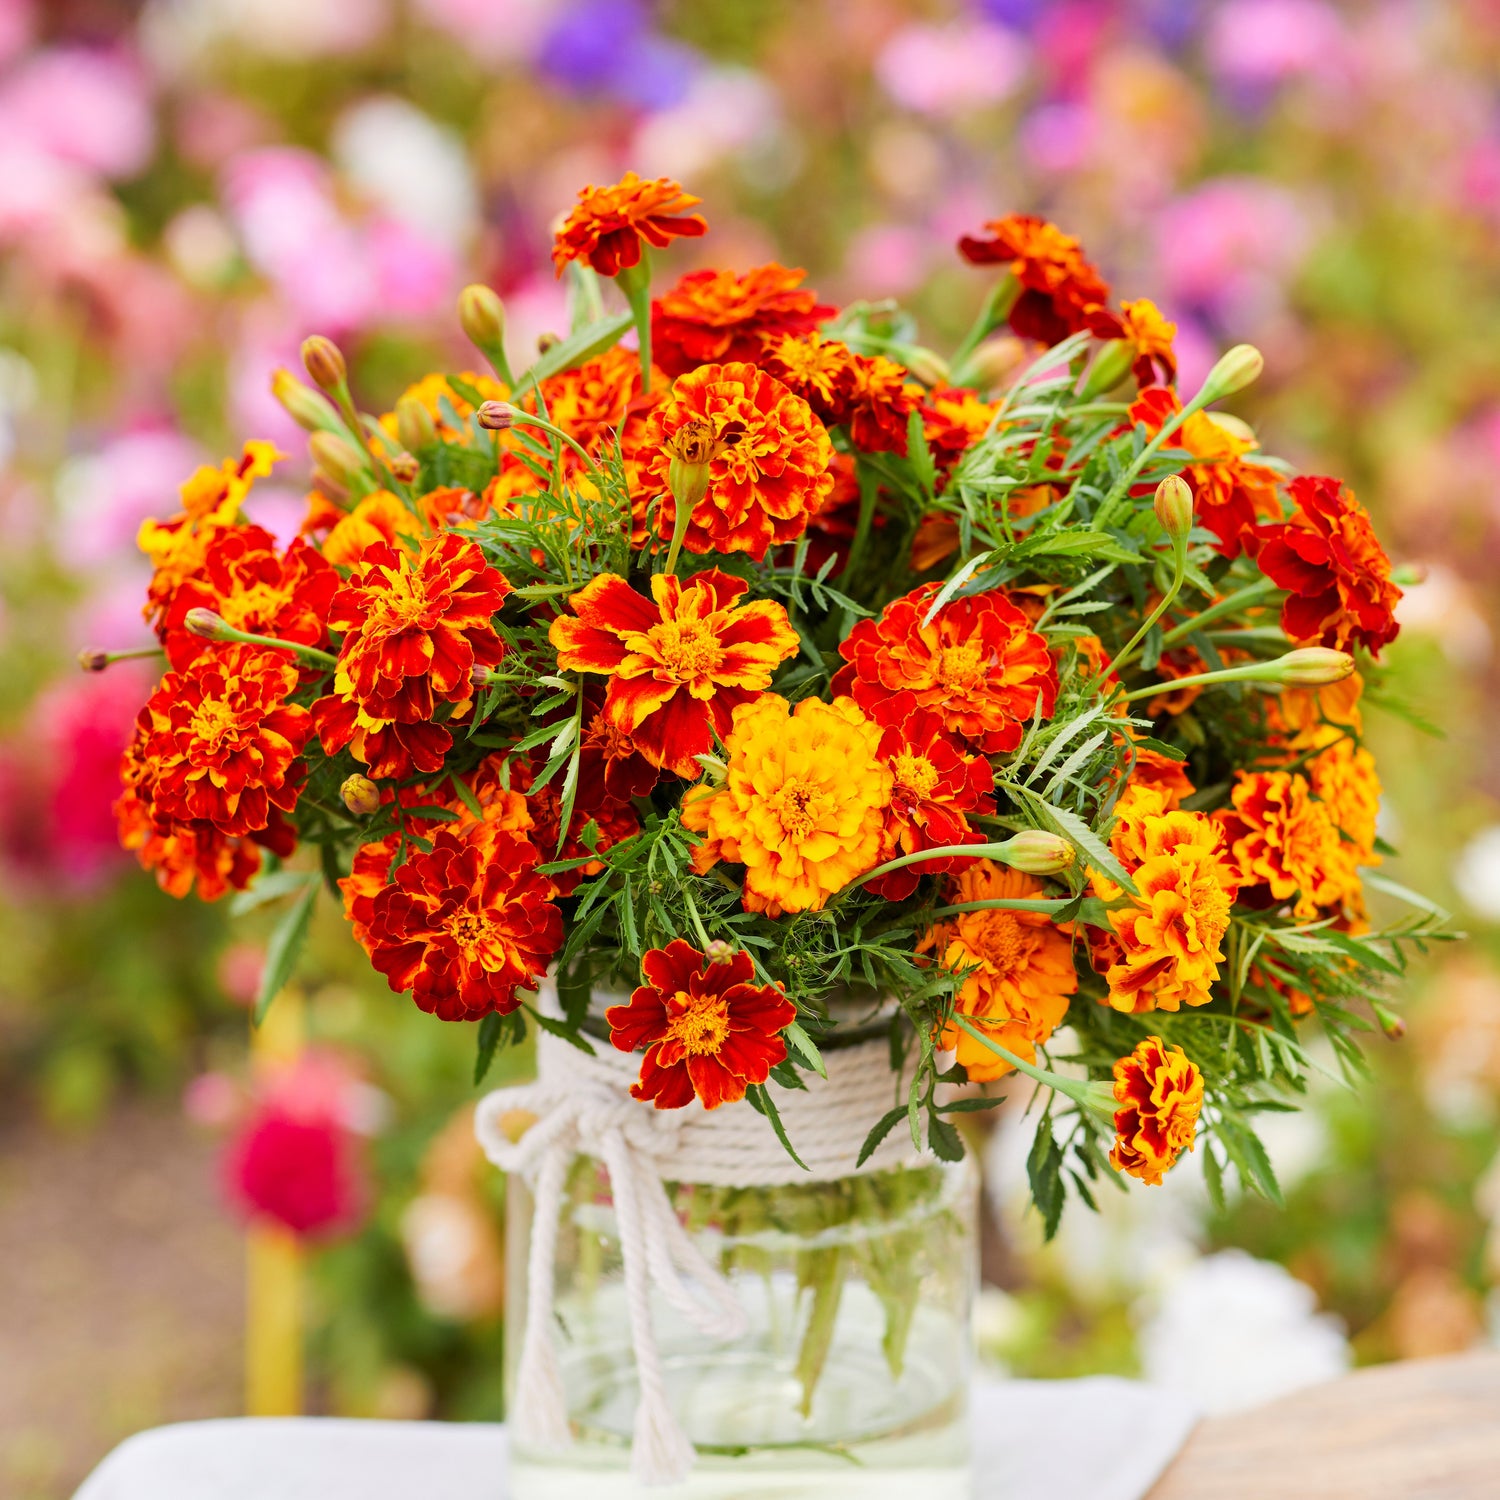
x: 1017, y: 966
x: 1160, y: 1093
x: 1306, y: 713
x: 1169, y: 936
x: 379, y: 517
x: 433, y: 390
x: 802, y: 806
x: 1344, y: 780
x: 1281, y: 837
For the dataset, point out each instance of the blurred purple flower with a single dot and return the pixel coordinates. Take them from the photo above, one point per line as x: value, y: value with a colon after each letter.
x: 90, y: 110
x: 946, y: 69
x: 607, y: 47
x: 1059, y: 138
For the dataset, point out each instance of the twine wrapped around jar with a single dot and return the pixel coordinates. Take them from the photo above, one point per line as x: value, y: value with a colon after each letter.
x: 582, y: 1106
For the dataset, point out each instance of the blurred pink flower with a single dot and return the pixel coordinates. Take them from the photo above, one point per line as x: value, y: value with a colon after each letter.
x: 415, y: 276
x: 947, y: 69
x: 87, y: 109
x: 495, y: 33
x: 213, y: 1099
x: 887, y: 260
x: 238, y: 972
x: 1267, y: 41
x: 17, y: 22
x: 210, y: 127
x: 1060, y: 138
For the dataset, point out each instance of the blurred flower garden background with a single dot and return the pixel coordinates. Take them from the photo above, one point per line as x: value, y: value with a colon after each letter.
x: 189, y: 187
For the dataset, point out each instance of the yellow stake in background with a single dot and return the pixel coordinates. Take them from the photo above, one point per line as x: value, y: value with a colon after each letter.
x: 273, y: 1290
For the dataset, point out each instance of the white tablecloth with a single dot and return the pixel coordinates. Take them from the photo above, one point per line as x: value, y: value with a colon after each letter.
x: 1095, y: 1439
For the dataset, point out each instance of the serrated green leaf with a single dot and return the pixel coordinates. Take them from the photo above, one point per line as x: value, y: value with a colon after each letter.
x: 285, y: 948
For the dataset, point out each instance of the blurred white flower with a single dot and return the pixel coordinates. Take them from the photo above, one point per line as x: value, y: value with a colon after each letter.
x: 1233, y: 1332
x: 1476, y: 873
x: 491, y: 31
x: 726, y: 111
x: 175, y: 33
x: 412, y: 167
x: 1441, y: 604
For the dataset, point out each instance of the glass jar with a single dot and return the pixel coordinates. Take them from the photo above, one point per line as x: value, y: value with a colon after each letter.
x: 852, y: 1379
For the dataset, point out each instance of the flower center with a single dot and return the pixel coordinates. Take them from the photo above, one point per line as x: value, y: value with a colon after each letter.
x: 212, y: 721
x: 687, y: 648
x: 699, y: 1024
x: 999, y: 939
x: 914, y: 773
x: 471, y: 930
x: 1210, y: 908
x: 959, y: 666
x: 798, y: 808
x: 402, y: 604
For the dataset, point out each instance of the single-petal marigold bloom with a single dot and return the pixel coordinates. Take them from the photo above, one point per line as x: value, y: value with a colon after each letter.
x: 802, y: 807
x: 1155, y: 358
x: 978, y: 664
x: 679, y: 663
x: 607, y: 224
x: 1061, y: 293
x: 772, y: 468
x: 220, y: 742
x: 465, y: 925
x: 414, y: 628
x: 1160, y: 1092
x: 211, y: 500
x: 1169, y: 936
x: 1231, y: 492
x: 1017, y: 967
x: 254, y: 588
x: 1283, y: 839
x: 715, y: 317
x: 934, y: 785
x: 1335, y: 571
x: 709, y: 1031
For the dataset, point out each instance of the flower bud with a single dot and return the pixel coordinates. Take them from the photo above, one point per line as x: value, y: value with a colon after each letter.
x: 497, y: 416
x: 337, y: 457
x: 403, y: 467
x: 993, y: 361
x: 206, y: 624
x: 1240, y: 367
x: 303, y: 404
x: 1038, y: 853
x: 93, y: 659
x: 324, y: 363
x: 928, y: 366
x: 1390, y: 1023
x: 692, y: 449
x: 360, y: 795
x: 1174, y: 507
x: 546, y: 342
x: 481, y: 676
x: 415, y: 429
x: 718, y: 951
x: 1111, y: 365
x: 1312, y: 666
x: 481, y: 315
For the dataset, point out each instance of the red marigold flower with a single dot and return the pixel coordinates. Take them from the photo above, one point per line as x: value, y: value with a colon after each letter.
x: 708, y: 1030
x: 953, y: 420
x: 869, y: 396
x: 1061, y: 293
x: 1155, y: 356
x: 386, y: 747
x: 978, y: 665
x: 1230, y: 491
x: 610, y: 759
x: 933, y: 785
x: 1336, y: 572
x: 679, y: 663
x: 466, y: 924
x: 255, y: 589
x: 184, y: 854
x: 416, y: 627
x: 613, y: 821
x: 713, y: 317
x: 607, y: 224
x: 1160, y: 1092
x: 220, y: 742
x: 771, y: 472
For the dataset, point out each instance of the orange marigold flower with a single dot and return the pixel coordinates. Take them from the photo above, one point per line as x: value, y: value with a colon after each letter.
x: 1284, y: 840
x: 465, y: 925
x: 1344, y: 780
x: 380, y: 519
x: 1017, y: 967
x: 1230, y: 491
x: 1169, y: 936
x: 708, y: 1030
x: 613, y: 821
x: 1335, y: 571
x: 220, y: 742
x: 211, y: 500
x: 978, y: 664
x: 414, y: 627
x: 1061, y: 293
x: 1160, y: 1092
x: 255, y: 589
x: 773, y: 467
x: 954, y: 418
x: 870, y: 396
x: 1155, y: 357
x: 1163, y: 774
x: 387, y: 748
x: 934, y: 784
x: 802, y: 807
x: 714, y: 317
x: 679, y: 663
x: 607, y: 225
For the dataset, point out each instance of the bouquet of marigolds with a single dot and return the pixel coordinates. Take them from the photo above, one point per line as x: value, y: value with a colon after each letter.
x: 745, y: 658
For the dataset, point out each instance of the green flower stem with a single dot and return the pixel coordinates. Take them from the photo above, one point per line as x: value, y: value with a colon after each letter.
x: 635, y: 282
x: 681, y: 515
x: 1003, y: 903
x: 96, y: 661
x: 1251, y: 594
x: 996, y: 309
x: 1083, y: 1094
x: 1254, y: 671
x: 1169, y: 428
x: 525, y: 418
x: 312, y: 653
x: 1179, y: 573
x: 1000, y: 851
